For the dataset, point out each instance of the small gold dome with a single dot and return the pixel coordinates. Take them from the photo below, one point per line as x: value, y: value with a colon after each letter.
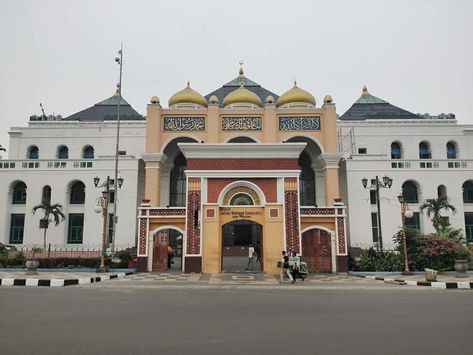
x: 296, y: 94
x: 187, y: 96
x: 328, y: 99
x: 154, y: 100
x: 365, y: 90
x: 269, y: 99
x: 241, y: 95
x: 213, y: 99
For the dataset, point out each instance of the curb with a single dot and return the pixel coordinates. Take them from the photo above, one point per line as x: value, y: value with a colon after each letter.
x: 436, y: 284
x: 61, y: 282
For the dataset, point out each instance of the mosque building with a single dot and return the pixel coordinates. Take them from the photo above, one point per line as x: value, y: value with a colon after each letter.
x: 242, y: 166
x: 210, y: 175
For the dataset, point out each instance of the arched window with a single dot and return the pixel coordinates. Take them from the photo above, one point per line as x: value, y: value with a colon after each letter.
x: 424, y: 151
x: 63, y: 152
x: 409, y: 190
x: 46, y: 195
x: 241, y: 200
x: 441, y: 191
x: 306, y: 181
x: 242, y: 140
x: 468, y: 192
x: 19, y: 193
x: 88, y: 152
x: 395, y: 150
x: 177, y: 191
x: 77, y: 193
x: 451, y: 150
x: 33, y: 152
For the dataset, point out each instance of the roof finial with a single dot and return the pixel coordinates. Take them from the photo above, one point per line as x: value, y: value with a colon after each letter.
x: 117, y: 92
x: 295, y: 82
x: 365, y: 90
x: 188, y: 83
x: 241, y: 78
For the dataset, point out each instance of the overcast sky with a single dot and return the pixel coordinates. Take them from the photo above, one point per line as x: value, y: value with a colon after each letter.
x: 415, y: 54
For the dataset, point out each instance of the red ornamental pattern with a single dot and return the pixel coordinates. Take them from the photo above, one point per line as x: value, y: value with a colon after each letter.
x: 167, y: 212
x: 291, y: 198
x: 317, y: 211
x: 341, y: 235
x: 143, y: 234
x: 193, y: 208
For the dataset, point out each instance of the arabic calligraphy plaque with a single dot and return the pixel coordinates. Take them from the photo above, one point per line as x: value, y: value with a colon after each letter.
x: 184, y: 124
x: 299, y: 123
x: 241, y: 124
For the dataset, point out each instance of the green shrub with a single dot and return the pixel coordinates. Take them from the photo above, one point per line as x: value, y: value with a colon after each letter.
x: 382, y: 261
x: 437, y: 253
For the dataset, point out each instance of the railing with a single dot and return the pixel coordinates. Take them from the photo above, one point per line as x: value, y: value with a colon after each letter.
x: 73, y: 251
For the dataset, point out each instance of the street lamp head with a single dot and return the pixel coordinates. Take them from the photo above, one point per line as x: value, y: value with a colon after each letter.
x: 400, y: 197
x: 98, y: 208
x: 390, y: 182
x: 364, y: 181
x: 120, y: 182
x: 96, y: 181
x: 117, y: 59
x: 387, y: 181
x: 409, y: 213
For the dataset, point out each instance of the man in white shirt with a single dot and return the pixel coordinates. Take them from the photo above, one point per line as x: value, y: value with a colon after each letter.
x: 251, y: 252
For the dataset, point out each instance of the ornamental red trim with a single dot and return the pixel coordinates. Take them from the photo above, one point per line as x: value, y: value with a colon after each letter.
x: 143, y: 236
x: 242, y: 164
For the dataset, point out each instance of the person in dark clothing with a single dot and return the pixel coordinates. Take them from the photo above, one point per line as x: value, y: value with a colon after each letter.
x: 258, y: 252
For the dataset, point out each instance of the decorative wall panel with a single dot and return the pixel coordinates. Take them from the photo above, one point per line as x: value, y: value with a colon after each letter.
x: 299, y: 123
x: 175, y: 124
x: 242, y: 124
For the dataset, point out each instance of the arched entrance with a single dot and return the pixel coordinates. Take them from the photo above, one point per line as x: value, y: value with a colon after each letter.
x: 164, y: 258
x: 237, y: 236
x: 317, y: 250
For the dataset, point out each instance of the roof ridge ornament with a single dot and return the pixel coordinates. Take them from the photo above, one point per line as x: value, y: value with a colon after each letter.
x: 365, y: 90
x: 241, y: 77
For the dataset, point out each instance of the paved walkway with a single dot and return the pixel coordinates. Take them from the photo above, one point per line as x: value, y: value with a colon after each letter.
x: 62, y: 278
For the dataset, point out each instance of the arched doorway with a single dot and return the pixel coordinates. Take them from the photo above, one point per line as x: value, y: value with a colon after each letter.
x: 317, y: 250
x: 165, y: 259
x: 237, y: 236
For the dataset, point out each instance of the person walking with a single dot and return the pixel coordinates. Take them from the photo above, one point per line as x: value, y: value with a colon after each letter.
x: 251, y: 252
x: 285, y: 268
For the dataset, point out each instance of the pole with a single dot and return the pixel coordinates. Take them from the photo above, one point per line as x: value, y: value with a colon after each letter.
x: 104, y: 225
x: 404, y: 238
x: 380, y: 234
x: 114, y: 224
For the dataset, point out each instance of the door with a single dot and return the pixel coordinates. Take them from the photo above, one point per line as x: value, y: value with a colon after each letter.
x: 317, y: 250
x: 160, y: 251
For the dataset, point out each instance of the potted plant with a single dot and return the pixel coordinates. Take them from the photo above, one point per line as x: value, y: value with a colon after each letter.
x: 32, y: 262
x: 461, y: 261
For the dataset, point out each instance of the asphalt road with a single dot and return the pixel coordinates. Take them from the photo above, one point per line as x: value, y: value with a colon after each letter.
x: 95, y: 320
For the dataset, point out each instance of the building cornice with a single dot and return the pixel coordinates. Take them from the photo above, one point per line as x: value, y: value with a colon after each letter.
x: 242, y: 150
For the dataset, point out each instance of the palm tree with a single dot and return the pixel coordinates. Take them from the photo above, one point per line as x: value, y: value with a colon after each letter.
x: 432, y: 207
x: 48, y: 209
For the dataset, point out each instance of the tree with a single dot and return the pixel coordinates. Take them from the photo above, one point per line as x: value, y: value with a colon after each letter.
x: 432, y: 207
x: 49, y: 210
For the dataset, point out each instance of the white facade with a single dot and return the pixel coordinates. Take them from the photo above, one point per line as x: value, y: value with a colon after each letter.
x: 373, y: 138
x: 60, y: 174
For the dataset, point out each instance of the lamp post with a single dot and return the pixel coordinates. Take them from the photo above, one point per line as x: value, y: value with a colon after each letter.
x: 102, y: 206
x: 405, y: 212
x: 119, y: 61
x: 376, y: 184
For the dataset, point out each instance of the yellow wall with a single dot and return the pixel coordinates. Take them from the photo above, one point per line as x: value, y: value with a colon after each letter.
x: 272, y: 230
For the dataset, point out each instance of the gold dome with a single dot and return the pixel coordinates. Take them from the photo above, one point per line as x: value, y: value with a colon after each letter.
x: 296, y: 94
x: 154, y: 100
x: 241, y: 95
x: 328, y: 99
x: 213, y: 99
x: 187, y: 96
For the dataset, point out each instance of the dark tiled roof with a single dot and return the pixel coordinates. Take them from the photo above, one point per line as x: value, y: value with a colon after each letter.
x: 106, y: 110
x: 371, y: 107
x: 235, y: 84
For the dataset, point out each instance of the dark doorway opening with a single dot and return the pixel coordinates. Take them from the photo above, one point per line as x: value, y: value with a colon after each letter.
x: 237, y: 237
x: 167, y: 251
